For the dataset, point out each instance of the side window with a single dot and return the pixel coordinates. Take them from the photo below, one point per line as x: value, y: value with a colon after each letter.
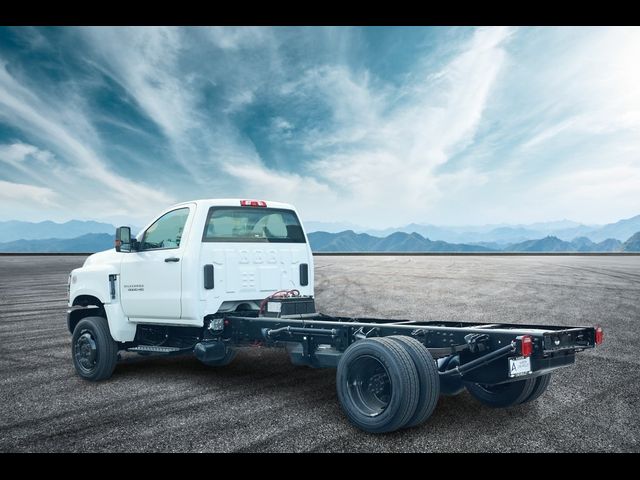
x: 166, y: 232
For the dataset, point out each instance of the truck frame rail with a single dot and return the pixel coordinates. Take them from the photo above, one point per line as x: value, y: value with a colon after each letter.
x: 319, y: 340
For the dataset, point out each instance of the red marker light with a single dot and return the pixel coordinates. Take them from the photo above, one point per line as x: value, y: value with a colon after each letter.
x: 526, y: 345
x: 253, y: 203
x: 599, y: 335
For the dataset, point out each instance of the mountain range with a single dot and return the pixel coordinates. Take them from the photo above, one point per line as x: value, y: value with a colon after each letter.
x: 90, y: 242
x: 89, y: 236
x: 499, y: 235
x: 17, y: 230
x: 349, y: 241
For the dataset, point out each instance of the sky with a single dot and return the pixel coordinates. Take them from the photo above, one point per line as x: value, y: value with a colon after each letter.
x: 371, y: 126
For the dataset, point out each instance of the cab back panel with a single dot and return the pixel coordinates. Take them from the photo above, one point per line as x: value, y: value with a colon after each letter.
x: 244, y: 271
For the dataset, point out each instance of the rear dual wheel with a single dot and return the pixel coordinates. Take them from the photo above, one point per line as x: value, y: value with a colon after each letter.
x: 385, y: 384
x: 510, y: 394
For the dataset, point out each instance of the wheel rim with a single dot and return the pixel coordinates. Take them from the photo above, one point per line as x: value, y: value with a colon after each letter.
x: 369, y: 385
x: 86, y: 352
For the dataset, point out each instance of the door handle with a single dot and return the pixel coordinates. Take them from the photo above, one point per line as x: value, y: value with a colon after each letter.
x: 172, y: 259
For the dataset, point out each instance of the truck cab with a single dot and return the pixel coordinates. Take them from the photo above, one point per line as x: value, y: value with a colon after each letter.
x: 194, y: 260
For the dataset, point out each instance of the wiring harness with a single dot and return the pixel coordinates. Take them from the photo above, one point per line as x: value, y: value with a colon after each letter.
x: 278, y: 294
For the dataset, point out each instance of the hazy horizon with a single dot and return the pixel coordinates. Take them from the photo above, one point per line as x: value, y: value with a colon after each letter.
x: 373, y: 126
x: 350, y: 226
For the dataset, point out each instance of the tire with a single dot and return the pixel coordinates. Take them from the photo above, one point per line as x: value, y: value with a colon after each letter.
x: 377, y: 385
x: 504, y: 394
x: 428, y: 378
x: 94, y: 351
x: 542, y: 382
x: 229, y: 356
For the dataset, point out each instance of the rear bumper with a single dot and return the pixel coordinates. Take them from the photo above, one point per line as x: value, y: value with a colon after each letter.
x: 553, y: 349
x: 498, y: 371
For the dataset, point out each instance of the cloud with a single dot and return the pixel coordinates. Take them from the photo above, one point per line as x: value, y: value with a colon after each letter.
x: 233, y: 38
x: 386, y: 126
x: 387, y: 152
x: 19, y: 153
x: 64, y: 128
x: 13, y: 194
x: 257, y: 181
x: 578, y: 194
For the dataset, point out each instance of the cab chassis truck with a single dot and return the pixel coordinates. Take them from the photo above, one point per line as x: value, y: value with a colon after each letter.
x: 245, y: 278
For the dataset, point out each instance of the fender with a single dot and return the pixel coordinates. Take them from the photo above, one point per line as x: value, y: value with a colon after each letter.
x: 93, y: 280
x: 102, y: 282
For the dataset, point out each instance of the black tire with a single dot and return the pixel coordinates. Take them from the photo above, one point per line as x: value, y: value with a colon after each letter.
x: 542, y: 382
x: 229, y: 356
x: 94, y: 351
x: 502, y: 395
x: 429, y: 381
x: 377, y: 385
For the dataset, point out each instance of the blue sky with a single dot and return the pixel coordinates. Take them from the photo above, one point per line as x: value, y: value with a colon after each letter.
x: 372, y: 126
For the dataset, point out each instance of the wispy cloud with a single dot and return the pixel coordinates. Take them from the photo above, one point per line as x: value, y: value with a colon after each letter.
x: 65, y: 129
x: 375, y: 126
x: 381, y: 155
x: 12, y: 194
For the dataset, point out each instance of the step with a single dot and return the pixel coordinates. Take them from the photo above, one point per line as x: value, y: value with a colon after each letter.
x: 153, y: 348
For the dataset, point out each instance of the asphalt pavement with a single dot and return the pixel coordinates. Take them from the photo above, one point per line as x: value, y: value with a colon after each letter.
x: 263, y: 403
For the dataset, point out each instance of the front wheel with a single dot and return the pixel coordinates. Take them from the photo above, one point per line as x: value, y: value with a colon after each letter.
x: 94, y: 351
x: 504, y: 394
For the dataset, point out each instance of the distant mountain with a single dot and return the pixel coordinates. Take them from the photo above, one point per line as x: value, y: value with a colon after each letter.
x: 331, y: 227
x: 632, y: 244
x: 16, y: 230
x: 554, y: 244
x: 91, y: 242
x: 621, y: 230
x: 608, y: 245
x: 500, y: 235
x: 349, y: 241
x: 505, y: 235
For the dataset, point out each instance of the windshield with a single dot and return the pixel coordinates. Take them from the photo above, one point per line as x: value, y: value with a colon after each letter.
x: 249, y: 224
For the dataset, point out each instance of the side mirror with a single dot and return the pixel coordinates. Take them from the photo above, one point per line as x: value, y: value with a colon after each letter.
x: 123, y: 239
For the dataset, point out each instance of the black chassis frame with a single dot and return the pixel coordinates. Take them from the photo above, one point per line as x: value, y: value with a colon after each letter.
x: 473, y: 352
x: 482, y: 350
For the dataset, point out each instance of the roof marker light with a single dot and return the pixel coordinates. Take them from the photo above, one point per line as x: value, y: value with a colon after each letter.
x: 253, y: 203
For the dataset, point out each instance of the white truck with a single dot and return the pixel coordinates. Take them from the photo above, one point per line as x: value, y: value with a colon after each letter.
x: 210, y: 277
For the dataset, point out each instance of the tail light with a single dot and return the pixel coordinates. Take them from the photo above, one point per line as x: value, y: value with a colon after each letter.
x: 526, y: 345
x: 599, y: 335
x: 253, y: 203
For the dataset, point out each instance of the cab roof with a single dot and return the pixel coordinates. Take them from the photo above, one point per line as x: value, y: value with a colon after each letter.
x: 233, y: 202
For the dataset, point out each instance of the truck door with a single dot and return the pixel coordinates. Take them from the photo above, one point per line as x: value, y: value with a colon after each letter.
x: 151, y: 278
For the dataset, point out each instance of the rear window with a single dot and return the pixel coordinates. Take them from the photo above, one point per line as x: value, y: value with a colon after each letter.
x: 252, y: 224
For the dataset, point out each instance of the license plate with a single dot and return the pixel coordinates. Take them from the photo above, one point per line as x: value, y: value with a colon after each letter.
x: 519, y: 366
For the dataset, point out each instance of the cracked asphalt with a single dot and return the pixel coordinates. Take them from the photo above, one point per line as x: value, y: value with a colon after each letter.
x: 262, y: 403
